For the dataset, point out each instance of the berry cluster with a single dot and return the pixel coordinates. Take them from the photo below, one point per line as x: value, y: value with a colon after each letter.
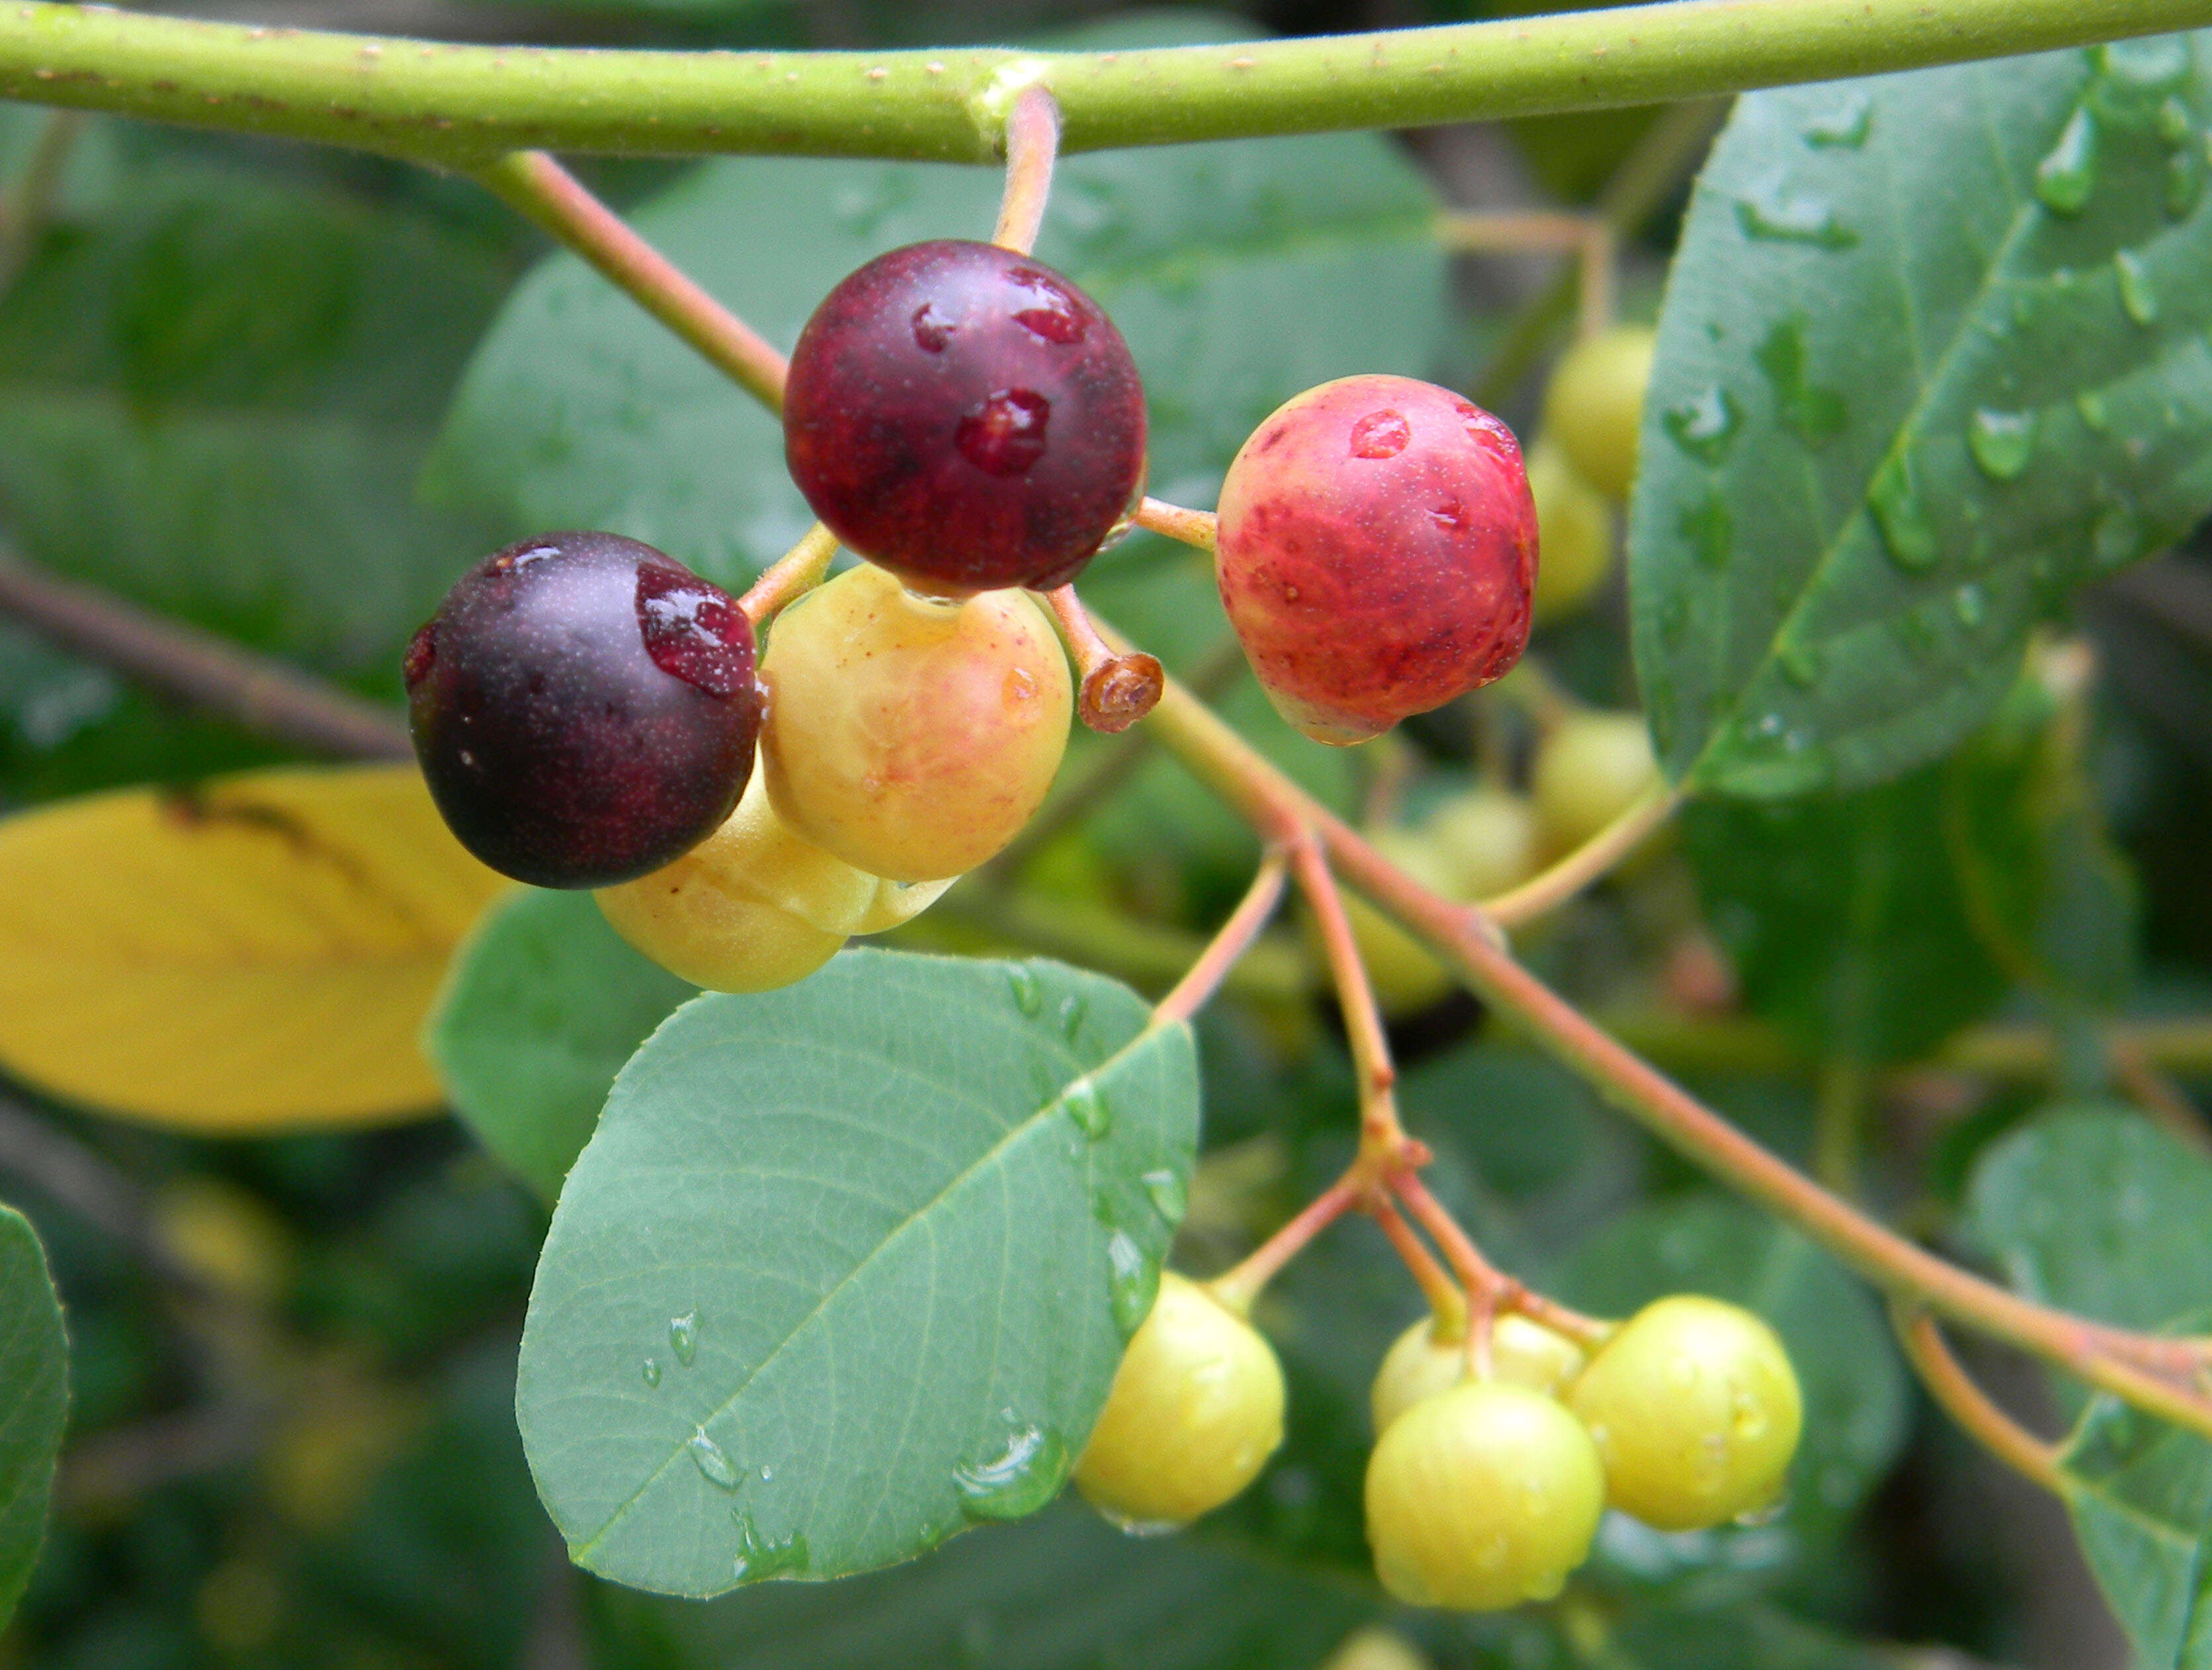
x: 1492, y: 1467
x: 586, y: 709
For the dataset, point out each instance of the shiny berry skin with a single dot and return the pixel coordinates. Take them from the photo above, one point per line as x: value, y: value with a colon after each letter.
x: 1696, y: 1411
x: 1424, y: 1361
x: 1195, y: 1410
x: 1481, y: 1497
x: 584, y: 708
x: 1376, y: 553
x: 1593, y: 405
x: 965, y: 417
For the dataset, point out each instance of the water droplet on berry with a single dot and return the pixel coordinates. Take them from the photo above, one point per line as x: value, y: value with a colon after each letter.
x: 1169, y: 1197
x: 1088, y: 1108
x: 1383, y: 434
x: 2065, y: 178
x: 684, y: 1337
x: 1750, y: 1416
x: 1132, y: 1281
x: 1058, y: 316
x: 1845, y: 127
x: 1004, y: 434
x: 1907, y: 530
x: 694, y: 631
x: 2138, y: 296
x: 2002, y: 442
x: 1971, y: 604
x: 1774, y: 213
x: 1018, y: 1481
x: 1028, y: 995
x: 712, y: 1460
x: 653, y: 1371
x: 758, y: 1559
x: 1704, y: 425
x: 932, y: 330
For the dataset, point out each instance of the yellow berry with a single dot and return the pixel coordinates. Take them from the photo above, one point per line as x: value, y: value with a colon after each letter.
x: 1487, y: 841
x: 1481, y: 1497
x: 1696, y: 1411
x: 1425, y: 1360
x: 1195, y: 1410
x: 1376, y: 1648
x: 912, y: 737
x: 1574, y: 531
x: 1594, y: 404
x: 1589, y: 770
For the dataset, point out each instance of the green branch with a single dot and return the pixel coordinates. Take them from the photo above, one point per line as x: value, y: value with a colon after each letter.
x: 462, y: 106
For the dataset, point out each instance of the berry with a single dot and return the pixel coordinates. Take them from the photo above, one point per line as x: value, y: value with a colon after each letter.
x: 1575, y: 525
x: 1589, y: 770
x: 910, y: 737
x: 1424, y: 1361
x: 752, y: 906
x: 1481, y: 1497
x: 1376, y: 1648
x: 1487, y: 840
x: 1405, y: 978
x: 1696, y: 1411
x: 1377, y: 549
x: 1195, y: 1410
x: 1594, y: 404
x: 966, y: 417
x: 584, y: 708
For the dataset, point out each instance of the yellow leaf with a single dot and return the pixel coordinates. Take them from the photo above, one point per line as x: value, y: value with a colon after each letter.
x: 254, y: 953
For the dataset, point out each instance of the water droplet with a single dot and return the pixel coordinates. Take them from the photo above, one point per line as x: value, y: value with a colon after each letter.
x: 2174, y: 121
x: 2065, y: 178
x: 2184, y: 183
x: 1016, y: 1483
x: 1845, y: 127
x: 1710, y: 527
x: 758, y: 1559
x: 1750, y: 1416
x: 2118, y: 537
x: 1027, y: 993
x: 693, y: 630
x: 684, y: 1337
x: 1800, y: 664
x: 2002, y: 442
x: 1813, y: 414
x: 1907, y: 529
x: 1971, y: 604
x: 1141, y: 1527
x: 1003, y: 433
x: 1704, y: 425
x: 932, y: 330
x: 653, y: 1371
x: 1383, y: 434
x: 2096, y: 417
x: 1087, y: 1108
x: 1071, y: 1011
x: 2138, y: 296
x: 2153, y: 62
x: 1168, y: 1194
x: 714, y: 1462
x: 1774, y: 213
x: 1132, y: 1281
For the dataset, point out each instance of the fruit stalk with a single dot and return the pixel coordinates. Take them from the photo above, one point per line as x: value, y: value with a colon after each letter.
x: 1032, y: 143
x: 1252, y: 914
x: 1964, y: 1402
x: 1551, y: 887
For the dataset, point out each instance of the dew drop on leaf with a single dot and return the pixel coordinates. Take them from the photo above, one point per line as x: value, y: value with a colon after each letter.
x: 1907, y: 530
x: 1018, y: 1481
x: 2066, y: 177
x: 2096, y: 417
x: 1845, y: 127
x: 2152, y: 64
x: 1072, y: 1011
x: 2002, y: 442
x: 1131, y: 1282
x: 1086, y: 1105
x: 1703, y: 425
x: 684, y: 1337
x: 1971, y: 604
x: 1710, y: 527
x: 758, y: 1559
x: 653, y: 1371
x: 1028, y: 995
x: 2138, y: 298
x: 1168, y: 1194
x: 2175, y: 124
x: 1774, y: 213
x: 712, y: 1460
x: 2184, y: 183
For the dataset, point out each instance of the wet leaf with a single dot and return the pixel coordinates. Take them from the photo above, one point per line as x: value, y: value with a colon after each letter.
x: 34, y: 1401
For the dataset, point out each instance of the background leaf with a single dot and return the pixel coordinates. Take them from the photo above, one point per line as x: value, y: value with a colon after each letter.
x: 1933, y: 352
x: 544, y: 1005
x: 257, y: 952
x: 834, y: 1250
x: 34, y: 1401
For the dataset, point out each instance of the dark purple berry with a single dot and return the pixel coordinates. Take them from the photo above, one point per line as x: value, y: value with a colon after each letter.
x: 584, y: 708
x: 965, y: 417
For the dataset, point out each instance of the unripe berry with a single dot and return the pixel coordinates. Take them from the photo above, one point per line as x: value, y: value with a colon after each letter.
x: 1487, y: 840
x: 1195, y: 1410
x: 1377, y: 547
x: 1696, y: 1411
x: 1424, y: 1360
x: 1575, y: 525
x: 1405, y: 978
x: 1594, y: 404
x: 583, y: 708
x: 912, y: 738
x: 1481, y: 1497
x: 1590, y: 769
x: 966, y: 417
x: 1377, y: 1649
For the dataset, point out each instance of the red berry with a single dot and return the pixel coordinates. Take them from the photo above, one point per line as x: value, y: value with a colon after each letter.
x: 965, y: 417
x: 584, y: 708
x: 1377, y: 553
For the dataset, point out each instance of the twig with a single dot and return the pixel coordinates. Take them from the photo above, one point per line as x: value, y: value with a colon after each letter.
x: 262, y: 694
x: 1239, y: 1287
x: 1192, y: 527
x: 1228, y: 945
x: 1379, y: 1133
x: 1116, y: 689
x: 1486, y: 1284
x: 2157, y: 1095
x: 1554, y: 886
x: 1445, y: 1299
x: 792, y: 575
x: 1032, y: 143
x: 1946, y: 1380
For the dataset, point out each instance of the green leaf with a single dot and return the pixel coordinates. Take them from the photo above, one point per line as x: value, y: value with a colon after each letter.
x: 1929, y: 359
x: 849, y: 1265
x: 1061, y: 1593
x: 1736, y: 1637
x: 34, y: 1401
x: 542, y: 1008
x: 1240, y: 272
x: 1846, y: 916
x: 2140, y: 1495
x: 1854, y: 1386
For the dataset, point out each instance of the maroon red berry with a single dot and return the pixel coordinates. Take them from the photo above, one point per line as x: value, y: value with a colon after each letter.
x: 1377, y: 553
x: 965, y: 417
x: 584, y: 708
